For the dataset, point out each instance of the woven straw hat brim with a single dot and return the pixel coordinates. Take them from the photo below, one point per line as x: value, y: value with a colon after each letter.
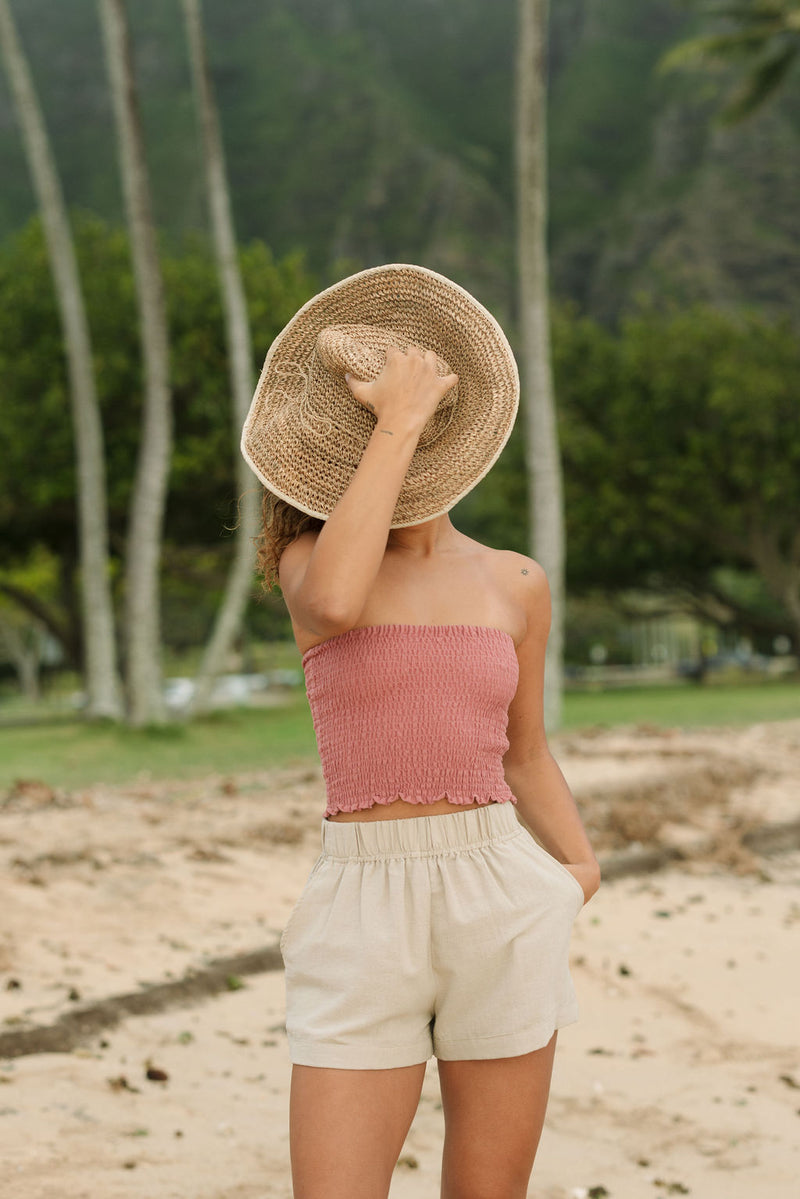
x: 305, y: 434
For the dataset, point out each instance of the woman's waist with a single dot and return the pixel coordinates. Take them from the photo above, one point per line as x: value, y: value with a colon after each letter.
x: 440, y: 832
x: 400, y: 809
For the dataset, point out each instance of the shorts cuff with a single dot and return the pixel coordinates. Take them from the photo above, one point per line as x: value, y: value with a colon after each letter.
x: 510, y: 1044
x: 356, y: 1057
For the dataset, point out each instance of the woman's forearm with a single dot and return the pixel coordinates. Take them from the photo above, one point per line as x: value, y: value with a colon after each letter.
x: 547, y: 807
x: 351, y: 544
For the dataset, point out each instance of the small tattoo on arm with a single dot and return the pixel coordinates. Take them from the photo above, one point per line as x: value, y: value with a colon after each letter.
x: 389, y: 431
x: 524, y: 571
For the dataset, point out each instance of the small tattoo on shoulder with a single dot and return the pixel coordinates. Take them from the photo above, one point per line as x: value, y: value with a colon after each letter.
x: 389, y: 431
x: 524, y: 571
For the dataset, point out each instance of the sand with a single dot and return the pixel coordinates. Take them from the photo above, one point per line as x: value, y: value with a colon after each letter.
x: 682, y: 1075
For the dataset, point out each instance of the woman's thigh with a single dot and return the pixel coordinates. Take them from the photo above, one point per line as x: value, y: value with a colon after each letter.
x: 347, y: 1127
x: 494, y: 1110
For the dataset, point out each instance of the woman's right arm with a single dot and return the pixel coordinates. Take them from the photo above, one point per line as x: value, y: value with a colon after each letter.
x: 326, y: 589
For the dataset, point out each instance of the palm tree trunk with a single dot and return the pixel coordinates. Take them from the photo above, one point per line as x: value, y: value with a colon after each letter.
x: 541, y: 433
x: 100, y: 658
x: 142, y: 566
x: 23, y: 645
x: 240, y: 356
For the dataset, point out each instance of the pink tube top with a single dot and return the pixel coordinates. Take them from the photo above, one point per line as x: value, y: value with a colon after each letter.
x: 415, y: 712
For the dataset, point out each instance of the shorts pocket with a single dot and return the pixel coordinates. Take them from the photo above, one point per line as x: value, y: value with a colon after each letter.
x: 548, y: 857
x: 299, y: 903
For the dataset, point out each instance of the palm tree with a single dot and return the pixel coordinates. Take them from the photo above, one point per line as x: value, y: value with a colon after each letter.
x: 99, y: 649
x: 542, y: 455
x: 763, y: 38
x: 143, y: 553
x: 240, y: 357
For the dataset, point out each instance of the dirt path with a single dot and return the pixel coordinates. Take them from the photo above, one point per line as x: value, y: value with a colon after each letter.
x: 683, y: 1070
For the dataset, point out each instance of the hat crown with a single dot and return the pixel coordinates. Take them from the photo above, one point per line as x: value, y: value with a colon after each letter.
x: 360, y: 350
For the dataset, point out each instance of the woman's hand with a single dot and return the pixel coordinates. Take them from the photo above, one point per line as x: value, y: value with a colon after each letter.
x: 407, y: 391
x: 587, y: 874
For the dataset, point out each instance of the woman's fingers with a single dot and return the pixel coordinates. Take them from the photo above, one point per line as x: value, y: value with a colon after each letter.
x: 358, y: 387
x: 408, y: 387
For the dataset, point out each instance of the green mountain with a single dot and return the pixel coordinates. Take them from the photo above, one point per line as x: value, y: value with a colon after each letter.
x: 367, y: 131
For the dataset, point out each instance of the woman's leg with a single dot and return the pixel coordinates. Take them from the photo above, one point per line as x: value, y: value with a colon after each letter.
x: 493, y: 1115
x: 347, y: 1127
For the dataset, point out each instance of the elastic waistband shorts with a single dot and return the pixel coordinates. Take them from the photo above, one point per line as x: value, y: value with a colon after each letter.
x: 446, y: 934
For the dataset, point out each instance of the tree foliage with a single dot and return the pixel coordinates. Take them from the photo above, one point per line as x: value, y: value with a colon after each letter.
x: 36, y: 459
x: 759, y: 38
x: 681, y: 436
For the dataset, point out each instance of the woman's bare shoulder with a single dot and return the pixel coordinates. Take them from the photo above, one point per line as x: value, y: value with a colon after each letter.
x: 522, y: 582
x: 515, y: 571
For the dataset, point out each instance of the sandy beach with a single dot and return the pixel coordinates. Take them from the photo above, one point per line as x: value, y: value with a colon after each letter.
x: 682, y: 1075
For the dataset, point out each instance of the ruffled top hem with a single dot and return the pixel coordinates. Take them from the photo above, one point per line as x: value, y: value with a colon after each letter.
x: 420, y: 799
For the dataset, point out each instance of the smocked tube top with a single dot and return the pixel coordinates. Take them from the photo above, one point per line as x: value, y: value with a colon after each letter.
x: 415, y: 712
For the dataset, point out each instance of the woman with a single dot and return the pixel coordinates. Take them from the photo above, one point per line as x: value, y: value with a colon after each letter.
x: 432, y: 921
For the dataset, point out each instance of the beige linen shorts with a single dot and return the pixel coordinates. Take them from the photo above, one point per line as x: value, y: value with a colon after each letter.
x: 445, y: 935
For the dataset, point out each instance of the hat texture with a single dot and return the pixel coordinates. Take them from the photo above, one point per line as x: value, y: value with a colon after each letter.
x: 305, y: 432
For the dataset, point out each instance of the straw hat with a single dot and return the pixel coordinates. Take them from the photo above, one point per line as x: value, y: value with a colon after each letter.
x: 306, y: 431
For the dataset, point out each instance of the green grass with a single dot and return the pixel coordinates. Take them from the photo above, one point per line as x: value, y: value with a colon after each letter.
x: 684, y: 705
x: 73, y: 754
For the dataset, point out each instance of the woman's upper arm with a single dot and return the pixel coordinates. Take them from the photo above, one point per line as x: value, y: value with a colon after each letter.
x: 526, y: 731
x: 291, y: 572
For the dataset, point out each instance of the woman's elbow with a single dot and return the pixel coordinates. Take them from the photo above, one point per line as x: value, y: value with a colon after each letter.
x: 328, y: 618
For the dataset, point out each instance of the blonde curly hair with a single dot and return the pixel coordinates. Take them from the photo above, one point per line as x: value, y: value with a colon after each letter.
x: 282, y: 524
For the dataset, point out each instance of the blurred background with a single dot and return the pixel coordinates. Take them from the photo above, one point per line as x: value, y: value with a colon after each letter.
x: 324, y: 136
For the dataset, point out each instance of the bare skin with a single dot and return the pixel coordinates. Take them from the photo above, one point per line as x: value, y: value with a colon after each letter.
x: 347, y: 1127
x: 357, y: 571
